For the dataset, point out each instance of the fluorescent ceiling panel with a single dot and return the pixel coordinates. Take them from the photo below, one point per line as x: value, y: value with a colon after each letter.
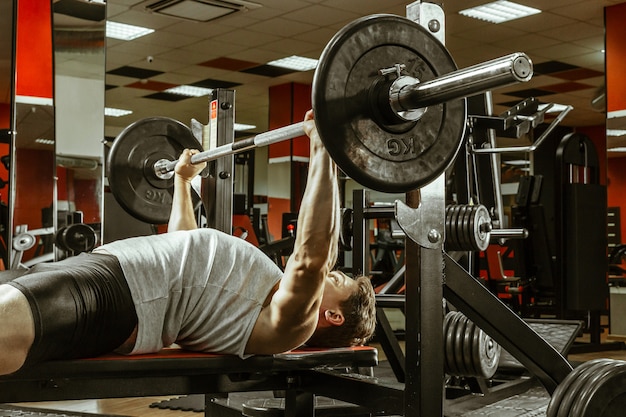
x: 294, y: 62
x: 189, y: 90
x: 112, y: 112
x: 499, y: 11
x: 126, y: 32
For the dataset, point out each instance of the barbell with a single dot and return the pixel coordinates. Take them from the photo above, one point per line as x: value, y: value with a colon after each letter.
x: 389, y: 106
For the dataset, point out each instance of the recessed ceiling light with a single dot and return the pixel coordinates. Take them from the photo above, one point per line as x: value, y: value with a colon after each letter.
x: 499, y: 11
x: 294, y: 62
x: 189, y: 90
x: 615, y: 132
x: 112, y: 112
x: 126, y: 32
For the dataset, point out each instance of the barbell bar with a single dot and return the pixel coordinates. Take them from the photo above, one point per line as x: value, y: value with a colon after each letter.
x: 163, y: 167
x: 403, y: 98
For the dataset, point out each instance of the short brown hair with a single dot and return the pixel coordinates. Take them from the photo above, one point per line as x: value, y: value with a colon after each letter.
x: 359, y: 320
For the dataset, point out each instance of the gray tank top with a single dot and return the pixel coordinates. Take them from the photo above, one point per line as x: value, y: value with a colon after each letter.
x: 201, y: 289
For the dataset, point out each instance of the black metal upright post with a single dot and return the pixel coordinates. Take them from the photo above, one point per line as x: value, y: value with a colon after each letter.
x: 422, y: 219
x: 217, y: 190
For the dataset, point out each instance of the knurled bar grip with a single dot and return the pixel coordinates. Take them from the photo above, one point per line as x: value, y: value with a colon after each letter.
x: 262, y: 139
x: 457, y: 84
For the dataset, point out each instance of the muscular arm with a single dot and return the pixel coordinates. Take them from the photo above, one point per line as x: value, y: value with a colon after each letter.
x: 182, y: 216
x: 292, y: 315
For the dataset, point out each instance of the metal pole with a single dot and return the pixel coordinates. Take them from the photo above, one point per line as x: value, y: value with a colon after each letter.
x: 499, y: 72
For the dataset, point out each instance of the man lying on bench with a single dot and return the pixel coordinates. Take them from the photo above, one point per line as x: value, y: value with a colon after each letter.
x: 199, y: 288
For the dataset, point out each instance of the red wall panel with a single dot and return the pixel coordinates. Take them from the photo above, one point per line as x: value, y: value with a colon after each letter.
x: 288, y: 104
x: 615, y: 56
x: 34, y: 49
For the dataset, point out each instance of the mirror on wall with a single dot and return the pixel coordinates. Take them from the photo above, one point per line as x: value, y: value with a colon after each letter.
x: 79, y: 67
x: 32, y: 148
x: 57, y: 158
x: 7, y: 71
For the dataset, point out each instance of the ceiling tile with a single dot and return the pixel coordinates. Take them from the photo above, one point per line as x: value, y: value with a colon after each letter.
x: 282, y: 27
x: 583, y: 10
x: 571, y: 32
x: 268, y: 70
x: 529, y: 92
x: 229, y: 64
x: 213, y: 83
x: 166, y: 96
x: 323, y: 14
x: 560, y: 51
x: 577, y: 74
x: 151, y: 85
x: 565, y: 87
x: 550, y: 67
x: 134, y: 72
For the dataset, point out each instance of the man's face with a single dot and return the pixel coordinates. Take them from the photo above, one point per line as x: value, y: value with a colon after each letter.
x: 337, y: 288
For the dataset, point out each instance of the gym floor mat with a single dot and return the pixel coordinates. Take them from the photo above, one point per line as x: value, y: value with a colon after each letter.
x: 7, y: 410
x: 532, y: 403
x: 559, y: 333
x: 193, y: 403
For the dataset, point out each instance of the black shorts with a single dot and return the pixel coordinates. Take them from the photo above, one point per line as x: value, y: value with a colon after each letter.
x: 82, y: 307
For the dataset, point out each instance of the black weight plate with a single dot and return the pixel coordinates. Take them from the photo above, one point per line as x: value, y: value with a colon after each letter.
x: 471, y: 233
x: 486, y: 354
x: 130, y: 166
x: 450, y: 342
x: 458, y: 227
x: 455, y: 242
x: 461, y: 225
x: 396, y: 158
x: 459, y: 347
x: 480, y: 239
x: 602, y: 387
x: 446, y: 325
x: 448, y: 227
x: 77, y: 237
x: 563, y: 388
x: 569, y: 388
x: 467, y: 347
